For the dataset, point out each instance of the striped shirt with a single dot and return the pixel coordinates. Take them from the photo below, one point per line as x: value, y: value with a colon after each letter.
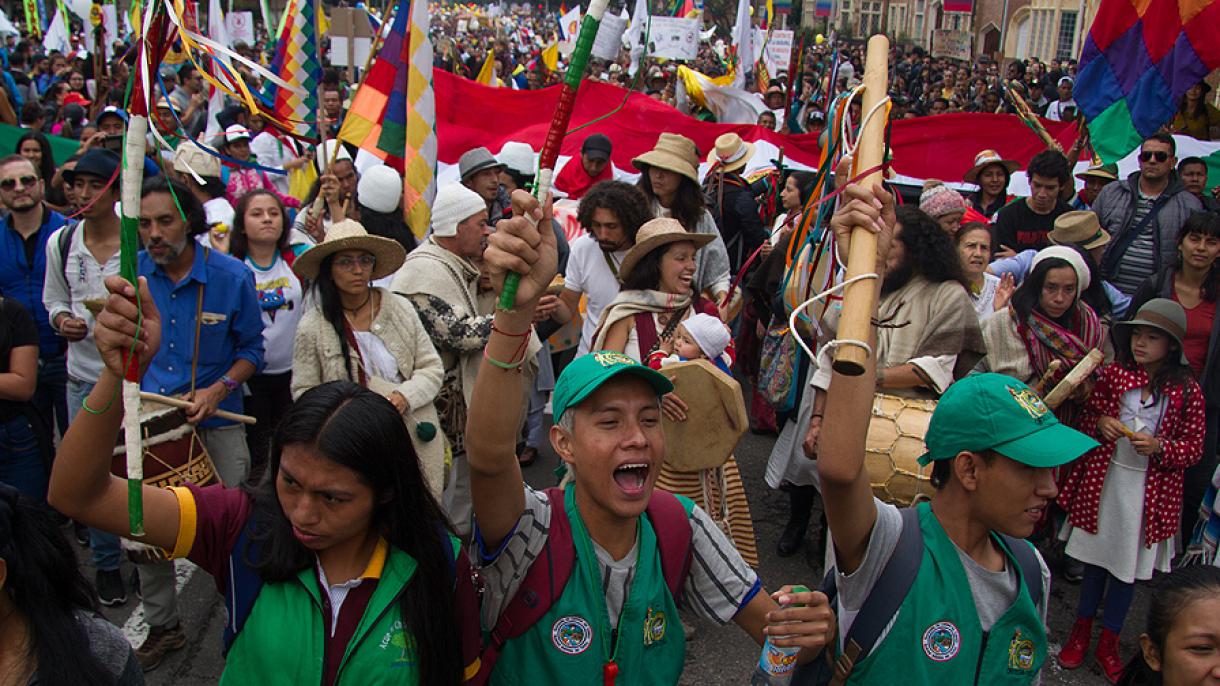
x: 720, y: 582
x: 1139, y: 260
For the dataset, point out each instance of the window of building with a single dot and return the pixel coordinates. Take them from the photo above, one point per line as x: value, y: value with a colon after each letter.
x: 1067, y: 35
x: 917, y: 29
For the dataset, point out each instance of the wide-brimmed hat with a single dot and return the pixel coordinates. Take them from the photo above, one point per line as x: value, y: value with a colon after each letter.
x: 1162, y: 313
x: 350, y: 235
x: 674, y: 153
x: 1109, y: 172
x: 987, y: 158
x: 655, y: 233
x: 189, y: 156
x: 474, y: 161
x: 1080, y: 227
x: 731, y: 153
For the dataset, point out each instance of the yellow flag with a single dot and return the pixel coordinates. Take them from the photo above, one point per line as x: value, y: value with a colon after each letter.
x: 550, y: 56
x: 487, y: 75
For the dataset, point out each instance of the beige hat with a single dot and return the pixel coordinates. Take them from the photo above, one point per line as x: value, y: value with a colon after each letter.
x: 189, y: 156
x: 350, y: 235
x: 987, y: 158
x: 731, y: 153
x: 1080, y: 227
x: 673, y: 153
x: 655, y: 233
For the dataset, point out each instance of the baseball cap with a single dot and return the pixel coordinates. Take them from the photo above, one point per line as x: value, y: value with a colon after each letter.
x: 112, y: 111
x: 587, y: 373
x: 997, y: 412
x: 597, y: 147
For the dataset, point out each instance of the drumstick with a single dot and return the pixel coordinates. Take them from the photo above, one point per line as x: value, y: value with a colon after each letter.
x: 1051, y: 370
x: 186, y: 405
x: 1079, y: 373
x: 860, y: 297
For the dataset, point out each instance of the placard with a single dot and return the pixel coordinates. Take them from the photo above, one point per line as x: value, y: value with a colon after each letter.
x: 240, y: 26
x: 609, y: 41
x: 674, y: 38
x: 778, y: 55
x: 351, y: 37
x: 951, y: 44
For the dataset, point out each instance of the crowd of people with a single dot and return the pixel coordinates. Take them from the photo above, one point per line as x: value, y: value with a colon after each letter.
x: 357, y: 404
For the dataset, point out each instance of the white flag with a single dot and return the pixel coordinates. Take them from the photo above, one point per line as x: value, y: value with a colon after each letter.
x: 218, y: 32
x: 569, y: 24
x: 56, y: 37
x: 743, y: 41
x: 634, y: 38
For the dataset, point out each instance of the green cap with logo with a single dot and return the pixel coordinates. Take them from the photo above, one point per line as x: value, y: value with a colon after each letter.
x: 587, y: 373
x: 997, y: 412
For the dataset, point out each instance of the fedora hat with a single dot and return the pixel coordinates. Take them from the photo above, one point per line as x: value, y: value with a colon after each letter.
x: 987, y: 158
x: 656, y: 233
x: 350, y: 235
x: 1109, y: 172
x: 476, y: 160
x: 1162, y: 313
x: 673, y: 153
x: 1080, y: 227
x: 731, y: 153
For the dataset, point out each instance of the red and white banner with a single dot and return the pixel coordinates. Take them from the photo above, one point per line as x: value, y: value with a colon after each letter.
x: 470, y: 115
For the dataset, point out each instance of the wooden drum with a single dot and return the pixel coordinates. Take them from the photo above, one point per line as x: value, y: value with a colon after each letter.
x: 173, y: 453
x: 895, y: 442
x: 715, y: 417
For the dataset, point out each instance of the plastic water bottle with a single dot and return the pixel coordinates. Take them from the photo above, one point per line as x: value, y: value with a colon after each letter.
x: 777, y: 663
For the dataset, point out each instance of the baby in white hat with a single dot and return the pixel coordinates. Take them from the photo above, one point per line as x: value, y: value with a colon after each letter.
x: 699, y: 337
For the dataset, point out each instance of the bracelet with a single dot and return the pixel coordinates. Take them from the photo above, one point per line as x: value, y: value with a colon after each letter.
x: 84, y: 404
x: 502, y: 332
x: 512, y: 366
x: 816, y: 415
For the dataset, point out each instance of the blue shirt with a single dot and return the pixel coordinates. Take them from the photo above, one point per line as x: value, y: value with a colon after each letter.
x: 21, y: 279
x: 231, y: 329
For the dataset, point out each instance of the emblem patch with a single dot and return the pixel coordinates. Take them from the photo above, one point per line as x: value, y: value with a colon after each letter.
x: 1020, y: 653
x: 654, y: 627
x: 609, y: 358
x: 1030, y: 402
x: 571, y: 635
x: 941, y: 641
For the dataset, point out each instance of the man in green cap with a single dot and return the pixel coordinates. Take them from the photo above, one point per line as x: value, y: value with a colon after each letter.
x: 971, y: 614
x: 614, y: 616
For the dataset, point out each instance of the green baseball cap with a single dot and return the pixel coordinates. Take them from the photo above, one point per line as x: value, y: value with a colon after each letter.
x: 997, y: 412
x: 587, y: 373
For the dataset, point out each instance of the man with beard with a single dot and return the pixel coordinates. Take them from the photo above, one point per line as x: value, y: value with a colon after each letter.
x: 929, y: 334
x: 578, y: 176
x: 23, y: 240
x: 611, y: 213
x: 480, y: 172
x: 204, y: 296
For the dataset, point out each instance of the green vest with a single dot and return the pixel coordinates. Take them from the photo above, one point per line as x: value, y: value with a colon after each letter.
x: 283, y: 638
x: 937, y: 638
x: 568, y: 645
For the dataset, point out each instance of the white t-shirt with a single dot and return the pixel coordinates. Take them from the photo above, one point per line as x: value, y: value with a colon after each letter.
x: 1056, y: 111
x: 71, y: 280
x: 279, y: 295
x: 270, y: 151
x: 589, y: 273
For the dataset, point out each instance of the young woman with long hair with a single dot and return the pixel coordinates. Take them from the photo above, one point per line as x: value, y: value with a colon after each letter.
x: 1180, y: 645
x: 343, y: 511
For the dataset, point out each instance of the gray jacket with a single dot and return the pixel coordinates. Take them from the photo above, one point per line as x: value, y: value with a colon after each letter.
x: 1115, y: 206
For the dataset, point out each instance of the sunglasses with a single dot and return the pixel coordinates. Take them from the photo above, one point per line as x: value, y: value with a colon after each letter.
x: 26, y: 181
x: 1158, y: 155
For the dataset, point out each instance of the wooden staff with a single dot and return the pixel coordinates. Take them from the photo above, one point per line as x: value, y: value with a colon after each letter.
x: 860, y: 297
x: 1074, y: 378
x: 186, y: 405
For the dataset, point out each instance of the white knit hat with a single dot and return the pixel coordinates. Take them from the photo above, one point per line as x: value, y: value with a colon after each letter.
x: 380, y: 188
x: 454, y: 204
x: 709, y: 333
x: 1070, y: 256
x: 519, y: 157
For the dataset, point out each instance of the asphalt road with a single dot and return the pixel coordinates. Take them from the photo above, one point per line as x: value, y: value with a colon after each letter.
x: 716, y: 655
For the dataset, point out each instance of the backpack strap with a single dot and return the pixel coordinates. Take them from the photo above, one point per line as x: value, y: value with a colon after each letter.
x: 671, y: 522
x: 1027, y: 560
x: 64, y: 243
x: 542, y: 586
x: 244, y: 584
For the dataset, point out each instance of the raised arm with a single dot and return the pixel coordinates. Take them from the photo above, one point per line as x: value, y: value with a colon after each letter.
x: 494, y: 416
x: 846, y: 494
x: 81, y: 484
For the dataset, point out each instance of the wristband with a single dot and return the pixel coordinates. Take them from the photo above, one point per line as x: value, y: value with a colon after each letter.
x: 229, y: 384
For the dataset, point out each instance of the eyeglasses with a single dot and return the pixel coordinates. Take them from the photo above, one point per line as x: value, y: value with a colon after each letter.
x: 26, y: 181
x: 349, y: 263
x: 1158, y: 155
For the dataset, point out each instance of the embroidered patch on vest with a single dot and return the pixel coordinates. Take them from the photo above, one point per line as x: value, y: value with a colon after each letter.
x: 654, y: 626
x: 572, y: 635
x: 1020, y: 653
x: 941, y: 641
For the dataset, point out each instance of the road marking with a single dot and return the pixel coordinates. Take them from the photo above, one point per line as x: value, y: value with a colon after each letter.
x: 135, y: 628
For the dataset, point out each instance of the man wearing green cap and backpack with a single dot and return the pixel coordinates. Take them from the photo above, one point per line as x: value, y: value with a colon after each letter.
x: 582, y: 585
x: 963, y: 598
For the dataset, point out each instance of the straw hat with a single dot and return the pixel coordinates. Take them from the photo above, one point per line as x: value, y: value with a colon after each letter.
x: 350, y: 235
x: 987, y: 158
x: 1108, y: 172
x: 731, y: 153
x: 1080, y: 227
x: 189, y: 156
x: 1162, y: 313
x: 655, y: 233
x: 673, y: 153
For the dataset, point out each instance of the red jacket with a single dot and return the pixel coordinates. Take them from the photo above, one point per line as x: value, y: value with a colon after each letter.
x: 1180, y: 429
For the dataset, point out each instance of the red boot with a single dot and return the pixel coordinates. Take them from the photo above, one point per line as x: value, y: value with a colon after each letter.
x: 1071, y: 655
x: 1107, y: 656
